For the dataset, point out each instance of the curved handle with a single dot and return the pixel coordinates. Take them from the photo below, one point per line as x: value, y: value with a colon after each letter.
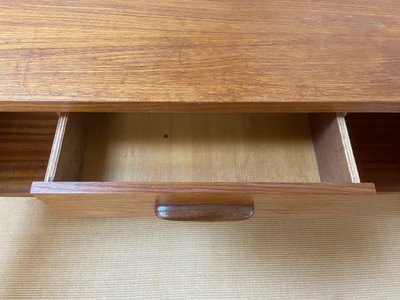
x: 204, y: 211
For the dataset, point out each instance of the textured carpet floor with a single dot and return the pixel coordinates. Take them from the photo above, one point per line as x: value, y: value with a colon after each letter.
x: 352, y: 256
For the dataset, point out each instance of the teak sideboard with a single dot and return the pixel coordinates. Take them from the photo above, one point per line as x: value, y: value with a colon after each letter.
x: 200, y: 109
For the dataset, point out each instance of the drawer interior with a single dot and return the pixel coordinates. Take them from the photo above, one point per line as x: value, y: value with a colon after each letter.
x: 167, y: 147
x: 376, y: 142
x: 25, y: 143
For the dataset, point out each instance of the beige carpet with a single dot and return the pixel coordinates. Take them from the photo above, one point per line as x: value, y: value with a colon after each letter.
x: 352, y: 256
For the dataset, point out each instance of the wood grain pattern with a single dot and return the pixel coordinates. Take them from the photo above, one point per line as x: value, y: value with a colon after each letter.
x: 333, y: 149
x: 199, y: 148
x: 202, y: 187
x: 142, y: 205
x: 56, y: 147
x: 67, y: 154
x: 25, y: 143
x: 191, y: 55
x: 131, y: 161
x: 376, y: 143
x: 124, y: 199
x: 204, y: 212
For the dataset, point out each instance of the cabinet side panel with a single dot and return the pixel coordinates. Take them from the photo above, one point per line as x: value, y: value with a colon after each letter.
x: 25, y: 143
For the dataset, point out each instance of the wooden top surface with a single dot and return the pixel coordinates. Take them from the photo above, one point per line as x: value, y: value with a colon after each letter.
x: 206, y: 55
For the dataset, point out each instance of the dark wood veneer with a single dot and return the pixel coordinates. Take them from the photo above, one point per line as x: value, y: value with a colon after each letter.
x: 376, y: 145
x: 25, y: 144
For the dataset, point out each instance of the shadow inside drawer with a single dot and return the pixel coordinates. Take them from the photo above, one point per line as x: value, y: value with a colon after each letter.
x: 376, y: 144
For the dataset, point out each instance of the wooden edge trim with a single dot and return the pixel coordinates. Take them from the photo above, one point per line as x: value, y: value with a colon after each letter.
x: 389, y: 190
x: 348, y: 150
x: 176, y: 188
x: 15, y: 195
x: 56, y: 148
x: 283, y: 106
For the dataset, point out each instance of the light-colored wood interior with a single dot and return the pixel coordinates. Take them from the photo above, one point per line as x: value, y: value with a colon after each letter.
x: 67, y: 155
x: 119, y: 164
x: 136, y: 147
x: 333, y: 148
x: 200, y: 148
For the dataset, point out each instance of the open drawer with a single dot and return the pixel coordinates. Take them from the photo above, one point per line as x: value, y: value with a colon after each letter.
x: 25, y: 144
x: 200, y: 166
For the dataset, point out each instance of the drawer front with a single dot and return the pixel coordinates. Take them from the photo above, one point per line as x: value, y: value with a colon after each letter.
x: 78, y: 199
x: 125, y: 164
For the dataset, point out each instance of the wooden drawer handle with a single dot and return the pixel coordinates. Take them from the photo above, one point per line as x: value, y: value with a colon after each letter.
x: 204, y: 211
